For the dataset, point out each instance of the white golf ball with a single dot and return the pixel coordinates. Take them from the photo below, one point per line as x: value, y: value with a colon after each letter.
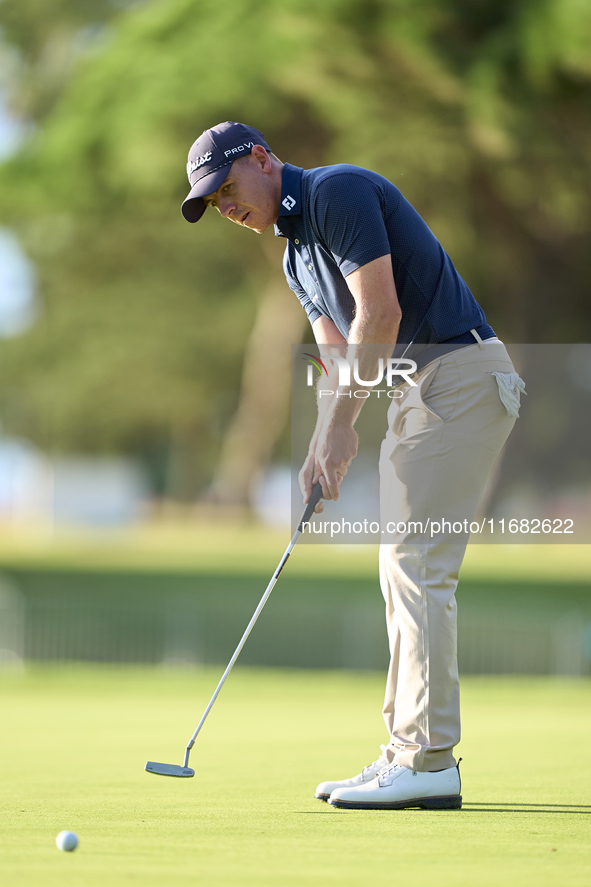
x: 67, y: 841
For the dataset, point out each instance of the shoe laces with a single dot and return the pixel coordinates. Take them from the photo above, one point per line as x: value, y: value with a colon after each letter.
x: 388, y: 773
x: 380, y: 762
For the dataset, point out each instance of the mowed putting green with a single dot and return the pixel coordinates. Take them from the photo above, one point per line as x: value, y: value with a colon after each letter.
x: 74, y: 742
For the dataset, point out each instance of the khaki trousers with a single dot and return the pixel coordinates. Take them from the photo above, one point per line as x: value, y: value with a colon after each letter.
x: 443, y: 438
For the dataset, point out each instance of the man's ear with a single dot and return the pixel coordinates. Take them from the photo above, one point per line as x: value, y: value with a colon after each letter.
x: 261, y: 157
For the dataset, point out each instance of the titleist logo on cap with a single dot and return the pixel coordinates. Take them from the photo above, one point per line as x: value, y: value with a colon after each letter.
x: 192, y: 165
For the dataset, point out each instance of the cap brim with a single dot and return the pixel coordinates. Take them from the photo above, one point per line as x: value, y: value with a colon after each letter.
x: 193, y: 206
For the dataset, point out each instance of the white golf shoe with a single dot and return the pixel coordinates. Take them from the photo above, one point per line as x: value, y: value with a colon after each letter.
x: 396, y: 787
x: 368, y: 773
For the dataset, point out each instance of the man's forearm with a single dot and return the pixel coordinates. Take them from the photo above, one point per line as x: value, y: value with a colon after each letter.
x: 372, y: 337
x: 324, y: 401
x: 371, y: 342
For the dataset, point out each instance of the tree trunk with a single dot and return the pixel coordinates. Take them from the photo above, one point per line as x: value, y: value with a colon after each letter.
x: 265, y: 394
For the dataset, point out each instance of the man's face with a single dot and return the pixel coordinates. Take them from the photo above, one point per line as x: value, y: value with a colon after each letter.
x: 250, y: 195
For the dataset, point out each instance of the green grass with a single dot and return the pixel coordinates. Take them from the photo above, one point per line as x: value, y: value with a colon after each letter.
x: 74, y: 742
x: 247, y: 549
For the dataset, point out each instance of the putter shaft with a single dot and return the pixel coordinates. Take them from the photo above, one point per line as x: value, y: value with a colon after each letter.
x: 315, y: 497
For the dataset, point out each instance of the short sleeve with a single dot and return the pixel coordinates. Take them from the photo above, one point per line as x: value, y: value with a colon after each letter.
x: 294, y: 284
x: 347, y: 211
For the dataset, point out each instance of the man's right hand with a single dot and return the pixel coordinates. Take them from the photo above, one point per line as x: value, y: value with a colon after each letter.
x: 305, y: 478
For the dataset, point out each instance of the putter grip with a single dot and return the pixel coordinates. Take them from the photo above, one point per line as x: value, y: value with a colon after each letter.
x: 315, y: 498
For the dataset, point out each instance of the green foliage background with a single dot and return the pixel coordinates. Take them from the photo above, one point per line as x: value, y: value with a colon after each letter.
x: 479, y: 112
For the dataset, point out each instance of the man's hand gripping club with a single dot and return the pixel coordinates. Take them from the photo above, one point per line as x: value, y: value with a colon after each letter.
x: 372, y: 336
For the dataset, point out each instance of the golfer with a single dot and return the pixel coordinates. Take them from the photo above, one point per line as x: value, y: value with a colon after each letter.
x: 371, y: 275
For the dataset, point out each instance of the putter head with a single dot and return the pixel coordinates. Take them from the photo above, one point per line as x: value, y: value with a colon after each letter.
x: 168, y: 769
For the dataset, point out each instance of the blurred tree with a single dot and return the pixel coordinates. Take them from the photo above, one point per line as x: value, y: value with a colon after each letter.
x: 479, y: 112
x: 42, y: 42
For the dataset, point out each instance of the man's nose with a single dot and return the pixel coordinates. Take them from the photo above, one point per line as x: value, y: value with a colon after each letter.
x: 226, y: 208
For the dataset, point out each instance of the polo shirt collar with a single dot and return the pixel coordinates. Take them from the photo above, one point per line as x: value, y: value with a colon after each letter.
x: 291, y: 196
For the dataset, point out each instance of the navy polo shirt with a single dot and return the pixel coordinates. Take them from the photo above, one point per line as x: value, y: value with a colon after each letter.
x: 338, y: 218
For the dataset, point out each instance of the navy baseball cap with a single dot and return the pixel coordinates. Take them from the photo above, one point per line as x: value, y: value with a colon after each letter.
x: 210, y: 159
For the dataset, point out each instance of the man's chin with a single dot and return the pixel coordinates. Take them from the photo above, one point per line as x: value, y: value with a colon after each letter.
x: 257, y: 230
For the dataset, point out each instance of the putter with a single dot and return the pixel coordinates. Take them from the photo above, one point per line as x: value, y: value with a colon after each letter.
x: 185, y: 770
